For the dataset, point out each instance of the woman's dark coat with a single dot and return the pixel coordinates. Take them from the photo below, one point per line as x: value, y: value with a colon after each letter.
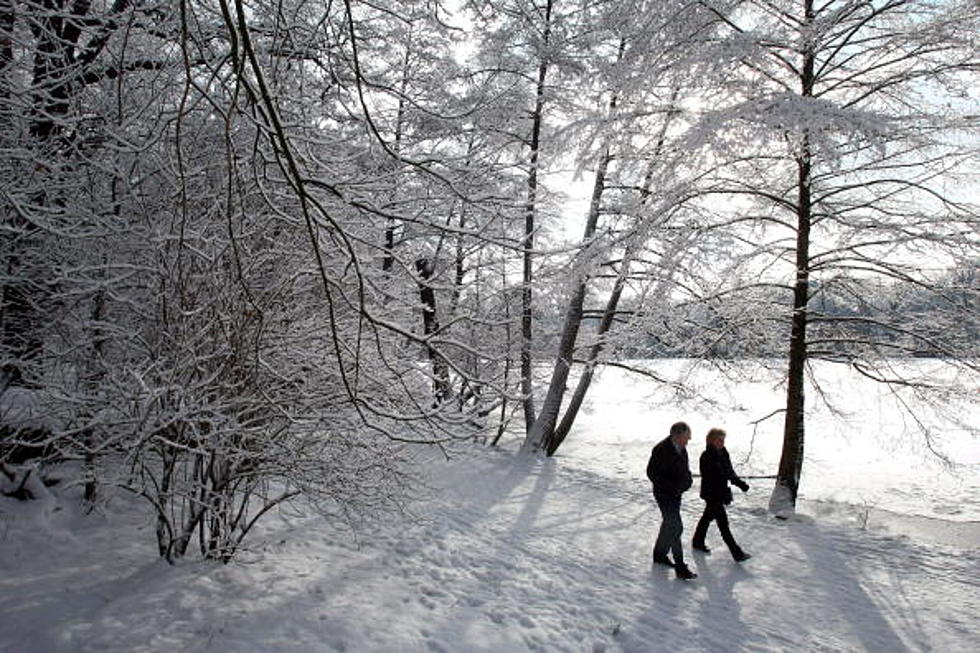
x: 668, y: 469
x: 716, y: 472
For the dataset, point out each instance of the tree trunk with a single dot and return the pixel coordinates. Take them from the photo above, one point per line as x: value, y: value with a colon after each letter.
x: 56, y: 38
x: 508, y: 343
x: 6, y: 53
x: 557, y: 435
x: 791, y: 461
x: 543, y: 431
x: 783, y: 500
x: 527, y: 378
x: 57, y: 74
x: 430, y: 325
x: 388, y: 261
x: 584, y: 381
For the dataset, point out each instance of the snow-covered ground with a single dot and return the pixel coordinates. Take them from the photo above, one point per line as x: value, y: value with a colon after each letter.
x: 510, y: 554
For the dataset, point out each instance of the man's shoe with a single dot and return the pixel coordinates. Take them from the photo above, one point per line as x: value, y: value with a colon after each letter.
x: 683, y: 572
x: 662, y: 560
x: 701, y: 547
x: 741, y: 556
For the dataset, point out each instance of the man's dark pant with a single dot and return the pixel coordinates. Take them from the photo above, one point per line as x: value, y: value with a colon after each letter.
x: 671, y: 527
x: 715, y: 511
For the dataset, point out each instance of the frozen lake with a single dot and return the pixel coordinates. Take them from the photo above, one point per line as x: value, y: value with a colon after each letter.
x: 861, y: 452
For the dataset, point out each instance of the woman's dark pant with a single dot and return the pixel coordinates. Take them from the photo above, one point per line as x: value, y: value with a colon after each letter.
x: 715, y: 511
x: 671, y: 527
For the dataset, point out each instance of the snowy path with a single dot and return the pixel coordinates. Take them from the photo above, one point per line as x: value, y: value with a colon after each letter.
x: 504, y: 556
x: 579, y: 577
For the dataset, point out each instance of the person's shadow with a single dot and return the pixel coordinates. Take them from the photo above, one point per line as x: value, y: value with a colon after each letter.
x: 669, y: 621
x: 721, y: 613
x: 666, y: 599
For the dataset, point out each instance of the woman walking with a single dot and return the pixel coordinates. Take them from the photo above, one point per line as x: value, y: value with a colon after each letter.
x: 716, y: 473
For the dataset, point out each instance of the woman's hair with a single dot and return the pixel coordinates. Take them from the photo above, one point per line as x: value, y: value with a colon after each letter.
x: 716, y: 433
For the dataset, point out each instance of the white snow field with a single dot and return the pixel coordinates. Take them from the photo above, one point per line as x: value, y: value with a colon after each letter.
x: 512, y: 554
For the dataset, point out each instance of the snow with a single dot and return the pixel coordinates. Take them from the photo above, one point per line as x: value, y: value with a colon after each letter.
x: 506, y: 553
x: 861, y: 448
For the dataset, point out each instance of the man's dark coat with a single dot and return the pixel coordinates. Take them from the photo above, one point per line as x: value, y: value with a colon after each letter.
x: 668, y: 469
x: 716, y: 472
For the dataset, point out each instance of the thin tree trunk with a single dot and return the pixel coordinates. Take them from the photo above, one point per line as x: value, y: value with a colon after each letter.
x: 459, y: 265
x: 430, y: 325
x: 94, y: 381
x: 508, y: 343
x: 527, y: 363
x: 164, y: 526
x: 388, y: 261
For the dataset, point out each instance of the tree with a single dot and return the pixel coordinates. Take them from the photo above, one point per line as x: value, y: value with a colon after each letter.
x: 850, y: 119
x: 524, y: 43
x: 217, y: 346
x: 641, y: 57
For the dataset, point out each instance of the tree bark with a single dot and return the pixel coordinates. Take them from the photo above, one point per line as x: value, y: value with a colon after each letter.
x: 584, y: 381
x: 527, y: 298
x: 791, y: 460
x: 6, y: 60
x: 388, y: 261
x: 430, y: 325
x: 543, y: 431
x: 6, y: 51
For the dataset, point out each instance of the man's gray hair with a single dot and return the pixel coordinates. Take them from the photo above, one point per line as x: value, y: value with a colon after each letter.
x: 679, y: 428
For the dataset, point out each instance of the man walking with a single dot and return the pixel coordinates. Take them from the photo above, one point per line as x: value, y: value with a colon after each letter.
x: 670, y: 474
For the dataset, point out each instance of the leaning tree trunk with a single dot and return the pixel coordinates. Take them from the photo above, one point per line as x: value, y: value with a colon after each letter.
x: 591, y: 360
x: 542, y: 432
x: 585, y: 380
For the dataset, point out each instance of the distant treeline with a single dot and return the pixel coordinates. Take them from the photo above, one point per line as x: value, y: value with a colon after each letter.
x: 848, y: 317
